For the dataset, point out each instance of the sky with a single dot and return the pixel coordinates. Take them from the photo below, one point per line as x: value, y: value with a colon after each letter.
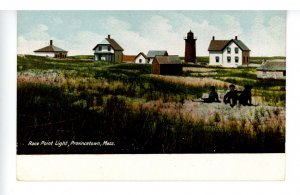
x: 264, y: 32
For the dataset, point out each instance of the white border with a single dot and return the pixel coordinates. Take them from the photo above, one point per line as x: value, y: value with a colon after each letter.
x: 9, y: 185
x: 178, y: 167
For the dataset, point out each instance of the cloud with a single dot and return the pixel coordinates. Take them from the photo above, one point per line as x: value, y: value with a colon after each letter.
x: 57, y: 20
x: 263, y: 37
x: 37, y: 38
x: 267, y: 38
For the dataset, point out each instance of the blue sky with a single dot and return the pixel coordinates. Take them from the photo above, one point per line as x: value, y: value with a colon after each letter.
x: 264, y: 32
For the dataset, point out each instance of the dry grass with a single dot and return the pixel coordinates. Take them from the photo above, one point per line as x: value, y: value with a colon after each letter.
x: 246, y: 118
x: 192, y: 81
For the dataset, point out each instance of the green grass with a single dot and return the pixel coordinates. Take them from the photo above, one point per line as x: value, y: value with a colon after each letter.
x: 96, y: 101
x: 46, y: 113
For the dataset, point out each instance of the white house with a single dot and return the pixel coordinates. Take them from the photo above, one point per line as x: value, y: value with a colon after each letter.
x: 152, y: 53
x: 51, y: 51
x: 141, y: 58
x: 272, y: 69
x: 108, y: 50
x: 228, y: 53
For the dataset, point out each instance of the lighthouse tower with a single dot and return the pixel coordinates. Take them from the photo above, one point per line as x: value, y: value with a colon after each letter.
x: 190, y: 48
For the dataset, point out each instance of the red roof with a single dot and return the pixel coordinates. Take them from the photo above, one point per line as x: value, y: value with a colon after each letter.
x: 128, y: 58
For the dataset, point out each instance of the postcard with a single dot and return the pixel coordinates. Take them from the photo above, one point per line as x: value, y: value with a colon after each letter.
x: 151, y: 95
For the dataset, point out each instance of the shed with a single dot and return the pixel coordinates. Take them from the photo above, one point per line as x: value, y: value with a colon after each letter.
x: 167, y: 65
x: 272, y: 69
x: 152, y: 53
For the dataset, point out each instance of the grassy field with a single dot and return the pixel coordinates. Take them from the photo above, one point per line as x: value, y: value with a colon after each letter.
x: 203, y: 60
x: 76, y: 99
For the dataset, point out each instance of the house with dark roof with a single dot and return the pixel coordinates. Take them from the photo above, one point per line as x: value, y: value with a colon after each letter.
x: 108, y: 50
x: 152, y: 53
x: 228, y: 53
x: 272, y: 69
x: 51, y: 51
x: 167, y: 65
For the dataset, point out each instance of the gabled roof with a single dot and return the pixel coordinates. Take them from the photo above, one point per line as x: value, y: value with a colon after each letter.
x: 241, y: 45
x: 111, y: 42
x: 174, y: 59
x: 51, y: 48
x: 114, y: 44
x: 220, y: 45
x: 128, y: 58
x: 153, y: 53
x: 217, y: 45
x: 141, y: 53
x: 273, y: 65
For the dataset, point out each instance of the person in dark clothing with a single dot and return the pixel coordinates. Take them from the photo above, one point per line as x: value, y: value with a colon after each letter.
x: 245, y: 97
x: 231, y: 96
x: 212, y: 97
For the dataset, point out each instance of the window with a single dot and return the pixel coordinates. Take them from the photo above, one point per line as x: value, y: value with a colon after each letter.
x: 236, y: 50
x: 236, y: 59
x: 100, y: 48
x: 217, y: 59
x: 247, y: 59
x: 284, y: 73
x: 140, y: 60
x: 108, y: 48
x: 228, y: 59
x: 228, y: 50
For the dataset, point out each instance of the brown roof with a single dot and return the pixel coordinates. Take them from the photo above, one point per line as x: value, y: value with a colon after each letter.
x: 128, y: 58
x: 273, y: 65
x: 114, y: 44
x: 219, y: 45
x: 173, y: 59
x: 51, y: 48
x: 141, y: 53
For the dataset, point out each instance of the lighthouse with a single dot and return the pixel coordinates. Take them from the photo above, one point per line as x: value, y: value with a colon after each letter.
x: 190, y: 48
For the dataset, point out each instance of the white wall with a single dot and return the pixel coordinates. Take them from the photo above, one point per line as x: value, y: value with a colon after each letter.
x: 151, y: 60
x: 212, y: 57
x: 104, y: 49
x: 137, y: 60
x: 45, y: 54
x: 232, y: 54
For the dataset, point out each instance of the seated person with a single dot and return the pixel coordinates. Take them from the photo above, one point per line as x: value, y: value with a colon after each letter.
x: 245, y: 97
x: 212, y: 97
x: 231, y: 96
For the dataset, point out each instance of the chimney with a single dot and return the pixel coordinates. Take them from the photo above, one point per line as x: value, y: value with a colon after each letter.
x: 51, y: 42
x: 235, y: 37
x: 108, y: 36
x: 213, y: 38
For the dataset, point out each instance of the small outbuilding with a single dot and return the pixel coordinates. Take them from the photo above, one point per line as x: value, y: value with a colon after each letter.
x: 152, y: 53
x: 141, y: 58
x: 167, y: 65
x: 51, y: 51
x: 272, y: 69
x: 128, y: 58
